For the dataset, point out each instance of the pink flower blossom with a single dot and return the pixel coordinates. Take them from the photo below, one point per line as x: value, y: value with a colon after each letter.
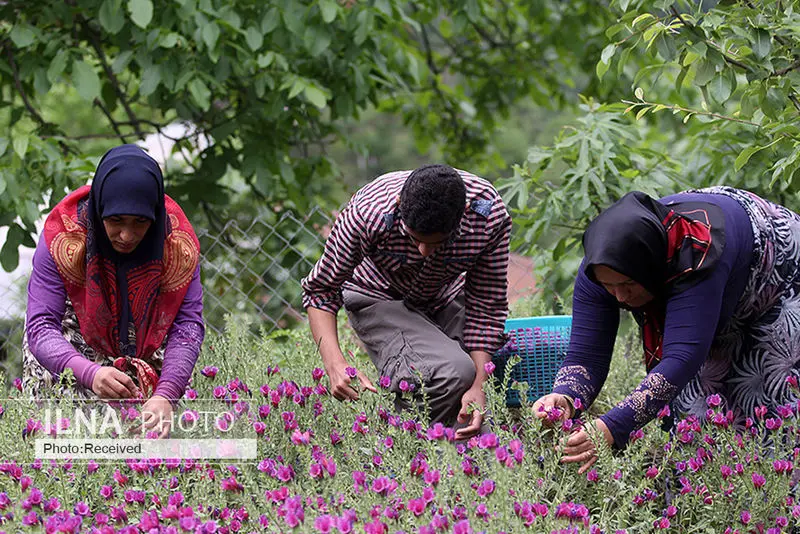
x: 744, y: 517
x: 209, y: 371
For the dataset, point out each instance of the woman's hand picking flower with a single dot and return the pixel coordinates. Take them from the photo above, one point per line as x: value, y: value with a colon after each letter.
x: 553, y: 408
x: 579, y: 447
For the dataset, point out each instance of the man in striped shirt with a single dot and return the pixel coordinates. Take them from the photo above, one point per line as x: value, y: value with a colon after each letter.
x: 419, y: 260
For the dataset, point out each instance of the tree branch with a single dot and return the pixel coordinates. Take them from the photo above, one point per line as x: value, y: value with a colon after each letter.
x: 674, y: 107
x: 111, y: 120
x: 114, y: 81
x: 21, y: 90
x: 695, y: 31
x: 786, y: 70
x: 435, y: 70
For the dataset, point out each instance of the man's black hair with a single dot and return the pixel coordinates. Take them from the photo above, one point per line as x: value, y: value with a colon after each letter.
x: 432, y: 200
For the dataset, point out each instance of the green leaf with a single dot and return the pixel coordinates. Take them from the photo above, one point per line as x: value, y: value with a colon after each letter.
x: 316, y: 96
x: 86, y: 80
x: 40, y: 82
x: 762, y: 43
x: 364, y: 27
x: 446, y: 28
x: 111, y: 17
x: 121, y: 63
x: 698, y: 48
x: 254, y: 38
x: 705, y: 70
x: 210, y: 34
x: 23, y: 35
x: 9, y: 254
x: 3, y: 145
x: 57, y: 66
x: 169, y: 40
x: 317, y: 40
x: 639, y: 92
x: 270, y: 21
x: 265, y: 60
x: 141, y: 12
x: 745, y: 155
x: 608, y: 53
x: 293, y: 18
x: 329, y: 10
x: 2, y: 184
x: 666, y: 47
x: 297, y: 87
x: 720, y: 88
x: 773, y: 103
x: 20, y: 144
x: 601, y: 68
x: 150, y: 80
x: 201, y: 94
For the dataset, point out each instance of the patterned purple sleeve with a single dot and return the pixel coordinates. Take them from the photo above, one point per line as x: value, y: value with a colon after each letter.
x: 486, y: 287
x: 692, y: 318
x: 183, y: 343
x: 46, y: 305
x: 344, y: 250
x: 595, y: 320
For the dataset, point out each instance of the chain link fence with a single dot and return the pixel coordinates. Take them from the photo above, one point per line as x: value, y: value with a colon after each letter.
x: 250, y: 267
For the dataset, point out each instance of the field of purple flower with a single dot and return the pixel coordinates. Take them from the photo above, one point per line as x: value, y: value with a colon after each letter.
x: 330, y: 467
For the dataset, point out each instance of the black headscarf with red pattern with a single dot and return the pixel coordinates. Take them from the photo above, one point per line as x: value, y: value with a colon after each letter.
x: 665, y: 248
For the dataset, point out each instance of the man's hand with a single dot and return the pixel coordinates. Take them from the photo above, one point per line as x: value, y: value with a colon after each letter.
x: 553, y: 408
x: 341, y: 376
x: 579, y: 447
x: 157, y: 416
x: 474, y: 396
x: 111, y: 383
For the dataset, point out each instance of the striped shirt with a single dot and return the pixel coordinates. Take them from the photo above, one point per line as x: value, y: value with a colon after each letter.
x: 370, y: 252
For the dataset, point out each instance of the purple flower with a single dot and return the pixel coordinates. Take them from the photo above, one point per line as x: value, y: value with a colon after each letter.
x: 714, y: 400
x: 324, y: 523
x: 351, y: 372
x: 209, y: 371
x: 792, y: 381
x: 486, y: 488
x: 405, y: 387
x: 317, y: 374
x: 744, y: 517
x: 592, y: 475
x: 489, y: 367
x: 758, y: 480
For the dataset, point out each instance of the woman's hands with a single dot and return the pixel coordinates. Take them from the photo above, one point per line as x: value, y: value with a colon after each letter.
x: 579, y: 447
x: 553, y: 408
x: 157, y: 416
x: 111, y: 383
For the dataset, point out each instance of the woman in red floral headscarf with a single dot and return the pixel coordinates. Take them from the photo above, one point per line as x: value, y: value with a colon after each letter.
x: 115, y: 292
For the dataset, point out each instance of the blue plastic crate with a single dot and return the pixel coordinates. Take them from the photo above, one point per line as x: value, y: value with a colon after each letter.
x: 542, y: 344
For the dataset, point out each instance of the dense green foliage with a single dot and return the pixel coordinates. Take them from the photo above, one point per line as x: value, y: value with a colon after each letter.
x: 697, y: 94
x: 263, y: 88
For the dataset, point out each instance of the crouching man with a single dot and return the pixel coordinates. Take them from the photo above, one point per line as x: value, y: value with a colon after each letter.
x: 419, y: 259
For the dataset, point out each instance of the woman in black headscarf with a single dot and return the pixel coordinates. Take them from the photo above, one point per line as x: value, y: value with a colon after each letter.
x: 115, y: 291
x: 713, y: 279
